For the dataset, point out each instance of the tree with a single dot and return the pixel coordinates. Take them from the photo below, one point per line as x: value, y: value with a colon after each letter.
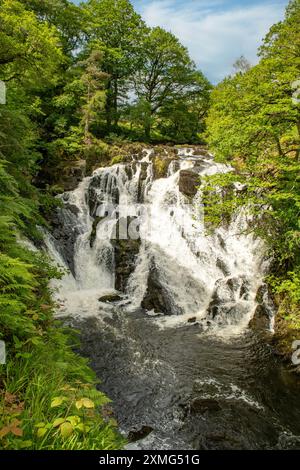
x: 166, y: 75
x: 116, y: 29
x: 241, y: 65
x: 93, y: 80
x: 65, y: 16
x: 29, y: 49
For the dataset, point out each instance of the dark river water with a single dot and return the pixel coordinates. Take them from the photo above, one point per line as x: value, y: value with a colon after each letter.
x: 192, y: 390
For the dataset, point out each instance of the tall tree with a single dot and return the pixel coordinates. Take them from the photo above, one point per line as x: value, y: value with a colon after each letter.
x: 93, y: 98
x: 117, y: 29
x: 166, y: 75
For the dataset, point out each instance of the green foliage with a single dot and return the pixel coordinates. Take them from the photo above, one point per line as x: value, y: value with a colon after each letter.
x: 57, y: 406
x: 117, y: 159
x: 30, y: 52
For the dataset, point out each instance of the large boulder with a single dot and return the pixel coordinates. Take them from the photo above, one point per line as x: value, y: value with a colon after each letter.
x: 72, y: 174
x: 126, y: 252
x: 161, y: 165
x: 157, y: 297
x: 65, y: 230
x: 188, y: 182
x: 109, y: 298
x: 261, y: 319
x: 264, y: 311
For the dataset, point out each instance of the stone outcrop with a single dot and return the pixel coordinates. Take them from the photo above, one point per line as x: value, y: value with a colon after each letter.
x: 157, y: 297
x: 188, y: 182
x: 93, y: 234
x: 126, y: 252
x: 264, y: 310
x: 138, y: 434
x: 108, y: 298
x: 65, y: 231
x: 261, y: 319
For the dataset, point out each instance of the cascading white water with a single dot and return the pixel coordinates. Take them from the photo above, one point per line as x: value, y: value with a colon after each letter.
x: 212, y: 279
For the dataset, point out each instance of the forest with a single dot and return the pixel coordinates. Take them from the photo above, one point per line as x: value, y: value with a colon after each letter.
x: 83, y: 82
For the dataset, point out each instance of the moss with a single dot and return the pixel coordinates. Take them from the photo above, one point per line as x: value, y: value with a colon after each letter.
x: 287, y: 326
x: 117, y: 159
x: 160, y: 166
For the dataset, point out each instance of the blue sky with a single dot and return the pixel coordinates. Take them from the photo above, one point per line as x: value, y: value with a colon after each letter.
x: 216, y: 32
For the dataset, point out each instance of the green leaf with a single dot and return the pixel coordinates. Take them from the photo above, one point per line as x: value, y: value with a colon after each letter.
x: 74, y: 420
x: 41, y: 432
x: 57, y: 422
x: 66, y: 429
x: 40, y: 425
x: 84, y: 402
x: 57, y: 401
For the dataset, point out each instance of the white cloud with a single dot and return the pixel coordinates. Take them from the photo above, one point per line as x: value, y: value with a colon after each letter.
x: 215, y: 37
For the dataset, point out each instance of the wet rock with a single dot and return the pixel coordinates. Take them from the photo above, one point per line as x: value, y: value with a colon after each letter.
x: 128, y: 170
x: 188, y: 182
x: 203, y: 152
x: 192, y: 320
x: 72, y: 208
x: 201, y: 405
x: 264, y: 311
x: 222, y: 294
x: 223, y: 267
x: 221, y: 241
x: 157, y: 297
x: 101, y: 185
x: 136, y: 435
x: 126, y: 251
x: 142, y: 179
x: 94, y: 230
x: 261, y: 319
x: 262, y: 293
x: 110, y: 298
x: 65, y: 231
x: 160, y: 166
x: 216, y: 437
x: 234, y: 284
x: 245, y: 290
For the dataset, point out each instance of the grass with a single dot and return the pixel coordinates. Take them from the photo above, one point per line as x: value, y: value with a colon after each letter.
x: 49, y: 400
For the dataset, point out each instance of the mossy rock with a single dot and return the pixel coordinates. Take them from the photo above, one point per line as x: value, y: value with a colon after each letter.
x: 160, y: 166
x: 110, y: 298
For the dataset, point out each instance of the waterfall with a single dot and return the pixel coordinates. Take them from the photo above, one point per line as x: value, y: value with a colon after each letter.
x: 128, y: 231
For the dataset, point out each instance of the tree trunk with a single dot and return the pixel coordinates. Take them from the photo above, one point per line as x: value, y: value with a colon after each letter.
x: 147, y: 130
x: 108, y: 106
x: 298, y: 151
x: 281, y: 154
x: 115, y: 102
x: 87, y: 139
